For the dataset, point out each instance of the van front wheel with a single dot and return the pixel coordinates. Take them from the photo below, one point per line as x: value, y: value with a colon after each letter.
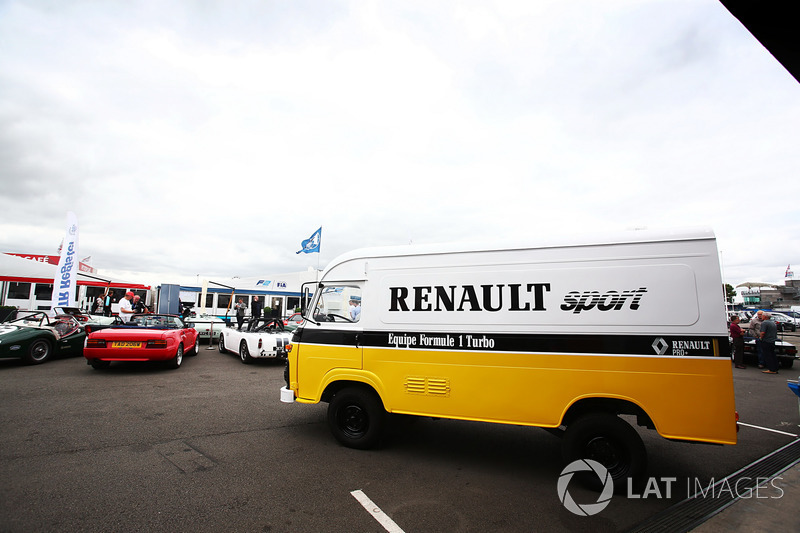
x: 610, y: 441
x: 356, y: 418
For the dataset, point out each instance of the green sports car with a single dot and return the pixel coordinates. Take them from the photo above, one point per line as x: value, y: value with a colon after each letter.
x: 35, y: 337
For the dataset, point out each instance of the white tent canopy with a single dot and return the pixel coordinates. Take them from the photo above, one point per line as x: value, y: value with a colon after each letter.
x: 752, y: 284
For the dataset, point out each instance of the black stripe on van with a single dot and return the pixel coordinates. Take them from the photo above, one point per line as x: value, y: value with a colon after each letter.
x: 619, y: 344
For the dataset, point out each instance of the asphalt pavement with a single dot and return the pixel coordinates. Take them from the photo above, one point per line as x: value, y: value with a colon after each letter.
x: 209, y: 447
x: 776, y: 507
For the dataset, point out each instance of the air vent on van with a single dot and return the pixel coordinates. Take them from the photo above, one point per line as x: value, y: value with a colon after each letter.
x: 428, y: 386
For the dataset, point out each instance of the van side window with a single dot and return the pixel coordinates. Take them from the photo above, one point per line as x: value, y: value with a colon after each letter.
x: 341, y: 303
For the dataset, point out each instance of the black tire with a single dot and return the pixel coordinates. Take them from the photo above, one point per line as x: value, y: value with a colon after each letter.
x: 787, y: 363
x: 38, y: 352
x: 196, y: 348
x: 610, y: 441
x: 244, y: 353
x: 176, y: 361
x: 356, y: 418
x: 221, y: 344
x: 99, y: 365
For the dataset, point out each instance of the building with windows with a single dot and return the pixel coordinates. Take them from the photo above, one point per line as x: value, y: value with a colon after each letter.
x: 768, y: 296
x: 283, y: 291
x: 26, y: 282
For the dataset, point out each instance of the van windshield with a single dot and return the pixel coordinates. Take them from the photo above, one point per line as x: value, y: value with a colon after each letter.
x: 338, y: 303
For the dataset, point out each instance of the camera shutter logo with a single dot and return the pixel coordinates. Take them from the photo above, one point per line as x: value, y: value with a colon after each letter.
x: 585, y: 465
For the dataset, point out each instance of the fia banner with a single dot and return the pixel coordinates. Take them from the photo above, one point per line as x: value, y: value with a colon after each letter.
x: 65, y: 281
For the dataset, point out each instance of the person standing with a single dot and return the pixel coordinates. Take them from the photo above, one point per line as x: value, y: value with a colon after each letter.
x: 126, y: 307
x: 737, y: 336
x: 355, y: 308
x: 769, y: 336
x: 755, y: 332
x: 138, y: 305
x: 107, y: 303
x: 256, y: 308
x: 240, y: 309
x: 276, y: 315
x: 97, y: 305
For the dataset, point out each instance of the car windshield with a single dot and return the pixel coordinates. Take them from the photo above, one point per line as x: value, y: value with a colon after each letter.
x: 156, y: 321
x: 65, y: 326
x: 203, y: 318
x: 31, y: 318
x: 67, y: 311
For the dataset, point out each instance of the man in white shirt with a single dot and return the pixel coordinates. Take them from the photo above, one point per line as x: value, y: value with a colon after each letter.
x: 126, y: 307
x: 355, y: 308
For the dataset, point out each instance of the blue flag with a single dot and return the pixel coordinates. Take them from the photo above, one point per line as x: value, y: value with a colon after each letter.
x: 311, y: 244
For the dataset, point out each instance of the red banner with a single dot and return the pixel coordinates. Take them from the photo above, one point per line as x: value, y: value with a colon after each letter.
x: 53, y: 260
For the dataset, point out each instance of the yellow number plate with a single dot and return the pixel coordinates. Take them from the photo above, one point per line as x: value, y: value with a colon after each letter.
x: 126, y: 344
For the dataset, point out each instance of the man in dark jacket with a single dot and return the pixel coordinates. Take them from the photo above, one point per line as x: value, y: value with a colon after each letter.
x: 276, y: 315
x: 769, y: 335
x: 256, y: 309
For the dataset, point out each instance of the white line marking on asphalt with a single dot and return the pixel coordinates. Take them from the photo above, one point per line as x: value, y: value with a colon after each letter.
x: 382, y: 518
x: 768, y: 429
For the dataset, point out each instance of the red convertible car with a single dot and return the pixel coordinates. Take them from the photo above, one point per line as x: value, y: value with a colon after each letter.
x: 145, y: 338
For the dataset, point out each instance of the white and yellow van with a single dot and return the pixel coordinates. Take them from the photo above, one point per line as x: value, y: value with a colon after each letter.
x: 563, y: 336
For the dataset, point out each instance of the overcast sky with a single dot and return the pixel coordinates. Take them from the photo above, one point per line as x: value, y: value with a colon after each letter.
x: 208, y: 139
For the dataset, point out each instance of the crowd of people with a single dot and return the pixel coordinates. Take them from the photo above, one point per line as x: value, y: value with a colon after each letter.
x: 763, y: 329
x: 132, y: 304
x: 129, y: 305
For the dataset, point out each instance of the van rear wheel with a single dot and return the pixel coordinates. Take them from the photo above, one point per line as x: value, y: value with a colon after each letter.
x: 356, y: 418
x: 610, y: 441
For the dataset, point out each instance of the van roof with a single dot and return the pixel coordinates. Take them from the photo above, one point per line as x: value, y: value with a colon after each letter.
x: 589, y: 239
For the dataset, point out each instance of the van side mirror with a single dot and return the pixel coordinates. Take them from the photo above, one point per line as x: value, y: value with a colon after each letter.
x: 304, y: 301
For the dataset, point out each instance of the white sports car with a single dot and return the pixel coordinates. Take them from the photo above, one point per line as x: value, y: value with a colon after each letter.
x: 260, y: 343
x: 203, y: 323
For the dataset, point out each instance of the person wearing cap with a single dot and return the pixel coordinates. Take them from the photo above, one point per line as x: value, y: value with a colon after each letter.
x: 355, y: 308
x: 126, y: 307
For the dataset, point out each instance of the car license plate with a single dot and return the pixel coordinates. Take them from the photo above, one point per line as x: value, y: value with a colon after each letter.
x: 126, y: 344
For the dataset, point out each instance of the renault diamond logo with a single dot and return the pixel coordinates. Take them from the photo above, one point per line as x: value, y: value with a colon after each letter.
x: 660, y: 346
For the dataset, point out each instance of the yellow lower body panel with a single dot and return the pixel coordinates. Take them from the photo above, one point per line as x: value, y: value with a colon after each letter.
x: 686, y: 398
